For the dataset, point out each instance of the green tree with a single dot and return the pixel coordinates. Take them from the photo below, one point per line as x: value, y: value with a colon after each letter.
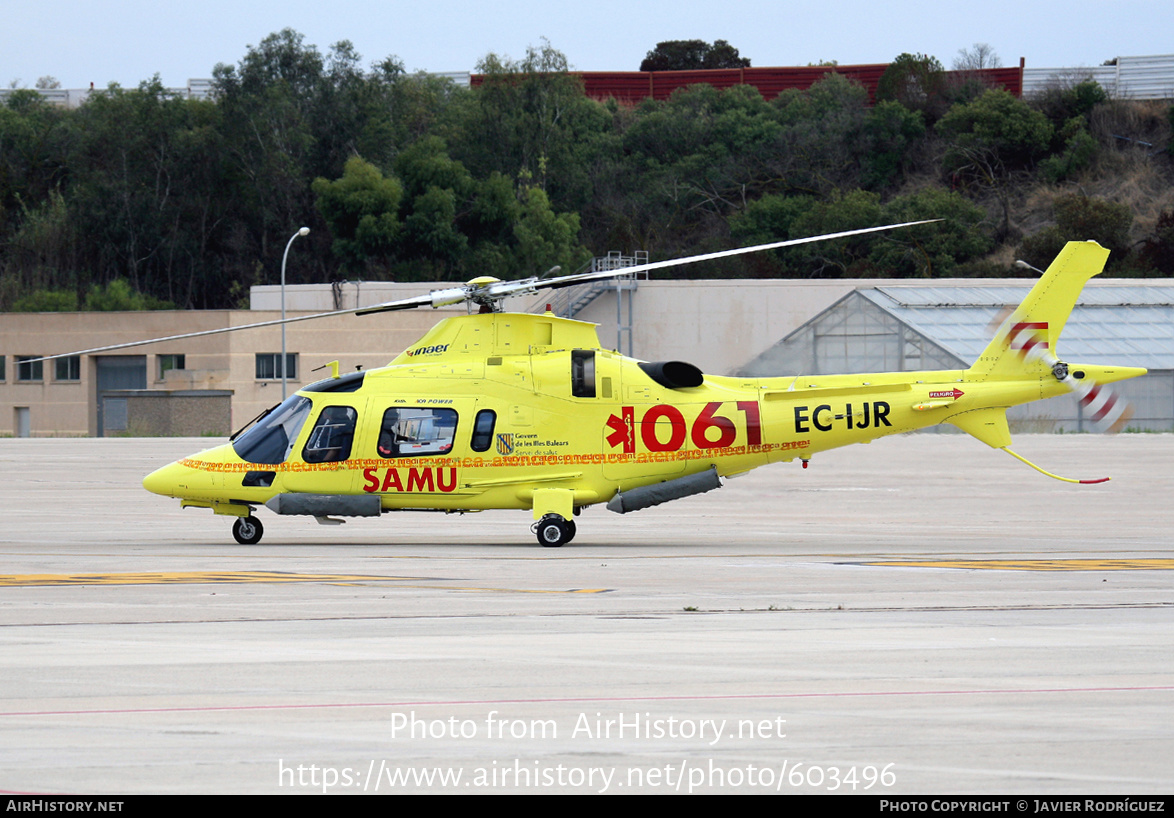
x: 847, y: 257
x: 45, y: 250
x: 693, y: 162
x: 514, y: 232
x: 993, y: 142
x: 119, y: 296
x: 530, y: 119
x: 918, y: 82
x: 690, y: 161
x: 768, y: 219
x: 408, y: 107
x: 890, y: 131
x: 1082, y: 218
x: 437, y: 195
x: 691, y: 55
x: 493, y: 212
x: 1080, y: 149
x: 1060, y: 102
x: 46, y: 301
x: 545, y: 238
x: 824, y: 145
x: 269, y: 97
x: 426, y: 164
x: 37, y: 239
x: 1069, y: 107
x: 299, y: 115
x: 147, y: 175
x: 433, y: 221
x: 931, y: 250
x: 998, y: 123
x: 431, y: 232
x: 33, y: 147
x: 362, y: 211
x: 1158, y: 250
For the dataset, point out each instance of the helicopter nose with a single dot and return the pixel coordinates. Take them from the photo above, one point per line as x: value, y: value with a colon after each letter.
x: 168, y: 481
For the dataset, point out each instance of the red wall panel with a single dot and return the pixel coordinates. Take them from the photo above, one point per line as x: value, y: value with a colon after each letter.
x: 630, y: 87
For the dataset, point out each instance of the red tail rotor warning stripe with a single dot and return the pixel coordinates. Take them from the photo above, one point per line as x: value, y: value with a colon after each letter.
x: 1101, y: 404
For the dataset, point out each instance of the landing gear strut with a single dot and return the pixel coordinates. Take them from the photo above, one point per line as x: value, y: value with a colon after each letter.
x: 247, y: 530
x: 553, y: 530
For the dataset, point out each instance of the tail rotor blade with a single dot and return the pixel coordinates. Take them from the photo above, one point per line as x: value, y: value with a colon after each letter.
x: 1099, y: 403
x: 1107, y: 410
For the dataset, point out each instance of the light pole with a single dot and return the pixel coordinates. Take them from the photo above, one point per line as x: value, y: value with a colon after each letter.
x: 301, y: 232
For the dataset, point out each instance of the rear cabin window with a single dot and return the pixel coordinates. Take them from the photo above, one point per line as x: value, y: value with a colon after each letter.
x: 410, y: 431
x: 483, y: 430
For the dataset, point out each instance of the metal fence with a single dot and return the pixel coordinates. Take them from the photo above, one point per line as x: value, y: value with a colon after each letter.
x: 1131, y: 78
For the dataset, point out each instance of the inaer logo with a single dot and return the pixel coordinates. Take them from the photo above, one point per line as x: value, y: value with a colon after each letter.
x: 433, y: 350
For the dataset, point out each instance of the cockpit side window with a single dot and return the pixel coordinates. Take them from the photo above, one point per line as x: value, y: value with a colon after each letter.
x: 330, y: 439
x: 415, y: 431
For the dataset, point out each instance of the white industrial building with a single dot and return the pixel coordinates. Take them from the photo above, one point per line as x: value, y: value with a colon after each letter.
x: 907, y: 328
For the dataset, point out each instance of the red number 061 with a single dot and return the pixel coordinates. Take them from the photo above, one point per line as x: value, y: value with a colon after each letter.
x: 703, y: 434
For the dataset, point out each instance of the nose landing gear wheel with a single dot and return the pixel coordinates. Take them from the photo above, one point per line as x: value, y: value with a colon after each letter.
x: 553, y: 531
x: 247, y: 530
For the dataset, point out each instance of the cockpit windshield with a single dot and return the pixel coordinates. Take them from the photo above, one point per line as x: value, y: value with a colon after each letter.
x: 271, y: 440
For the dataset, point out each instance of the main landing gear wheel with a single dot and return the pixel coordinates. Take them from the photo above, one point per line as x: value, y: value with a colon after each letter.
x: 247, y: 530
x: 554, y: 531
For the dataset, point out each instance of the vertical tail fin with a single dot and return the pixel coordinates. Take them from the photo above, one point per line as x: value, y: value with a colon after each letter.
x: 1027, y: 338
x: 1024, y: 349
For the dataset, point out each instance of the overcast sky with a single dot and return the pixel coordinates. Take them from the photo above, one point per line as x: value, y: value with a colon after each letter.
x: 131, y: 40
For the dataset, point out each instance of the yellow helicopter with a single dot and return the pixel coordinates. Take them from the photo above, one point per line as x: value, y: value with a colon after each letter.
x: 498, y: 410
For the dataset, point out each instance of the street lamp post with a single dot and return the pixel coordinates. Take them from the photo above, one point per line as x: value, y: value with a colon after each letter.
x: 301, y: 232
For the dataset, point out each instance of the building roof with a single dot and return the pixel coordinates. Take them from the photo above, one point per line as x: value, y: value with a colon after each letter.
x: 1126, y: 325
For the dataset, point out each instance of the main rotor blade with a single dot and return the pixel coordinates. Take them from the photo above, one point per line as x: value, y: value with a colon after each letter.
x: 221, y: 330
x: 434, y: 299
x: 503, y: 289
x: 567, y: 281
